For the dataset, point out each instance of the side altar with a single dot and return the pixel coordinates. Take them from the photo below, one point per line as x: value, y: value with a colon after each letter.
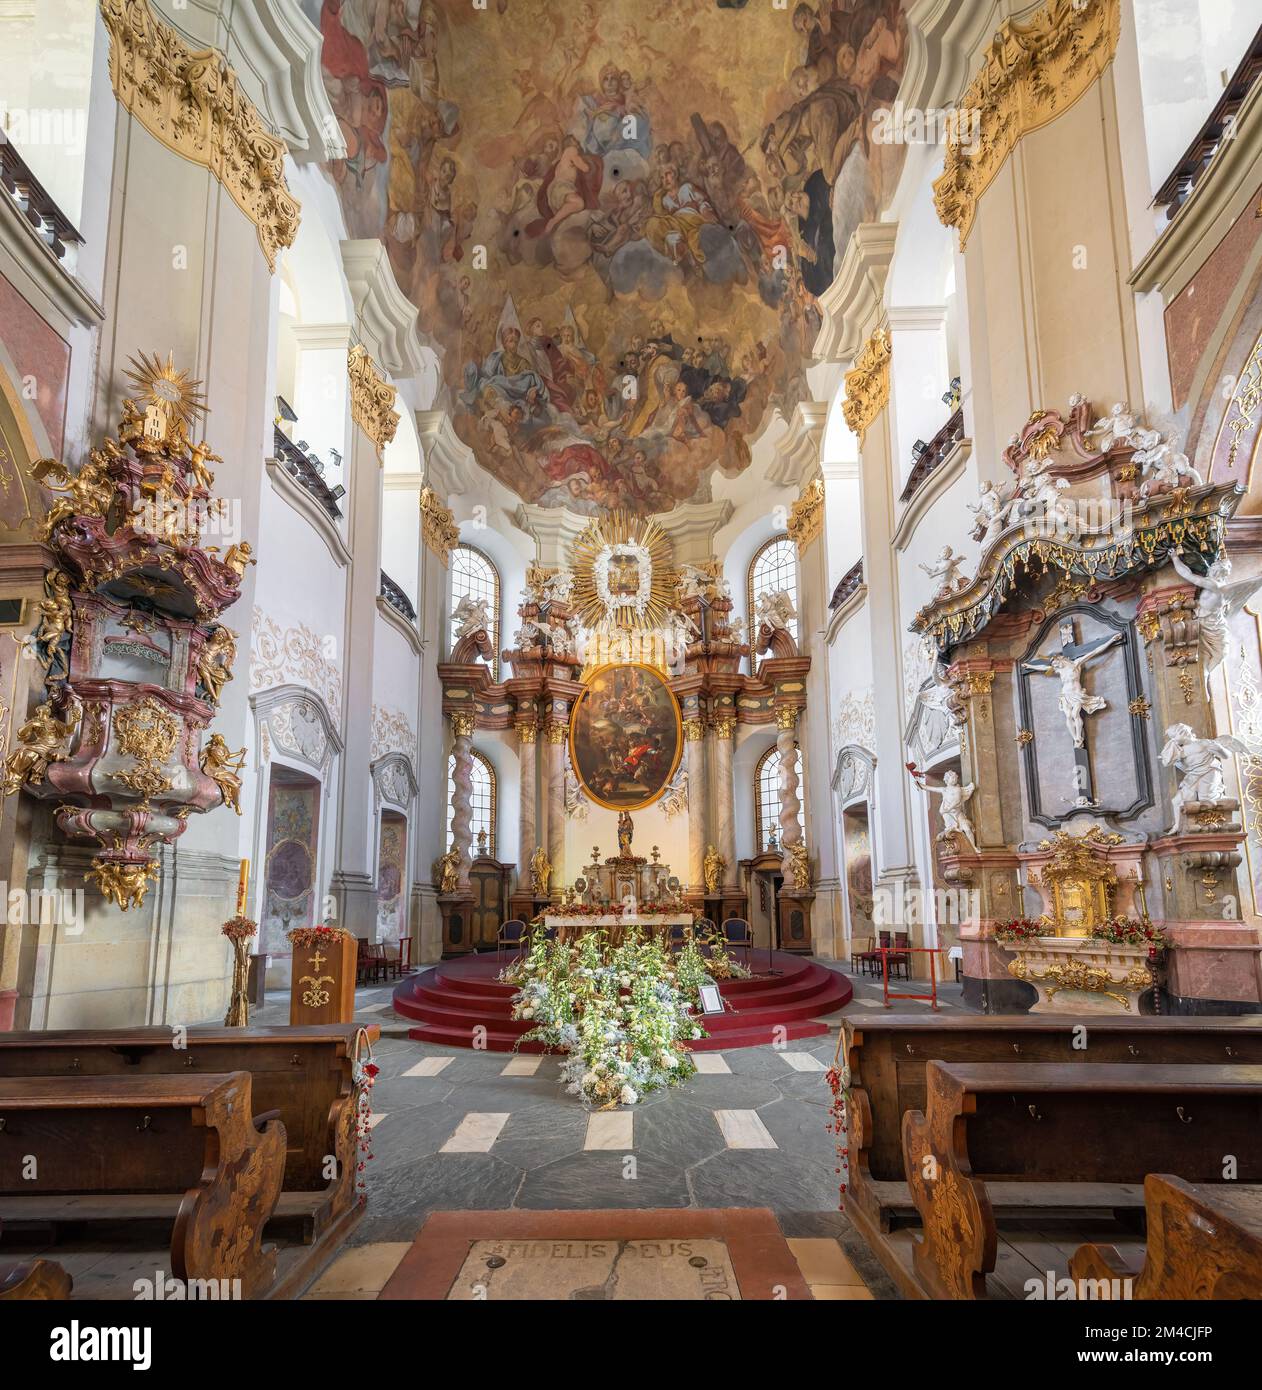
x: 1082, y: 785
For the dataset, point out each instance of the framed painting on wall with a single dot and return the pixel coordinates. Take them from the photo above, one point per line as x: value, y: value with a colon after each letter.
x: 626, y: 736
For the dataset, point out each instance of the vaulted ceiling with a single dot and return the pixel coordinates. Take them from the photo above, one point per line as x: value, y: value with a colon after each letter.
x: 613, y: 219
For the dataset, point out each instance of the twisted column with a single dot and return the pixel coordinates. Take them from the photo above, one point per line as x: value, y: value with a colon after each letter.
x: 556, y: 732
x: 527, y: 730
x: 724, y: 729
x: 694, y: 738
x: 462, y: 792
x: 786, y: 745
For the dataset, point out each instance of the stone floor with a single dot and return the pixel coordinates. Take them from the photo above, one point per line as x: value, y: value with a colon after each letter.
x: 466, y: 1131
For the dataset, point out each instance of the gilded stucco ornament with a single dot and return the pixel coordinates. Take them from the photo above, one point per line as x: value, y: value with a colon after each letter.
x: 806, y: 516
x: 372, y: 398
x: 438, y: 524
x: 191, y: 101
x: 867, y: 384
x: 1033, y: 71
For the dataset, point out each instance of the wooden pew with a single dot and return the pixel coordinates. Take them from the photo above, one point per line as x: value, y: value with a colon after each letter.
x: 1055, y: 1128
x: 887, y: 1056
x: 128, y: 1147
x: 1203, y: 1243
x: 303, y: 1073
x: 33, y: 1279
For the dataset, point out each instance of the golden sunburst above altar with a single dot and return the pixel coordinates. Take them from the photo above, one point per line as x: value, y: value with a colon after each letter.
x: 164, y: 387
x: 623, y: 575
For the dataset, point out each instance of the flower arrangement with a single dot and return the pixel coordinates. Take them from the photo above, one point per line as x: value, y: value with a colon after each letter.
x: 1017, y: 929
x: 239, y: 928
x: 622, y: 1013
x: 1131, y: 931
x: 324, y: 935
x: 364, y: 1072
x: 838, y: 1079
x: 580, y: 910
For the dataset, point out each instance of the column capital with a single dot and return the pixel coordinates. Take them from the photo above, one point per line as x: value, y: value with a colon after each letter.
x: 724, y: 726
x: 787, y: 717
x: 527, y: 730
x: 462, y: 724
x: 694, y: 730
x: 556, y: 732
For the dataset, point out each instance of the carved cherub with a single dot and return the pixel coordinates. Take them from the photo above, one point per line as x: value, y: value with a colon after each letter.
x: 214, y: 663
x: 471, y: 616
x: 945, y: 571
x: 774, y: 609
x: 198, y: 458
x: 558, y: 587
x: 40, y: 740
x: 1164, y: 468
x: 238, y: 556
x: 224, y: 768
x: 1115, y: 429
x: 85, y: 493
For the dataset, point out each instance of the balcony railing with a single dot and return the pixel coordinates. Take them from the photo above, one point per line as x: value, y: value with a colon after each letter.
x: 1219, y: 126
x: 847, y: 585
x: 933, y: 454
x: 34, y: 202
x: 396, y: 598
x: 305, y: 469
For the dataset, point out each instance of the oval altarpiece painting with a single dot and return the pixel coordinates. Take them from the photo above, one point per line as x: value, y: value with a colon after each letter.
x: 626, y: 737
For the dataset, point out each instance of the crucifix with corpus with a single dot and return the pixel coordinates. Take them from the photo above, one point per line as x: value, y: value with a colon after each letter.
x: 1067, y: 665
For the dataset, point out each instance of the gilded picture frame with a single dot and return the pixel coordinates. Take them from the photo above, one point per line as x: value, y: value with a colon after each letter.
x: 626, y: 736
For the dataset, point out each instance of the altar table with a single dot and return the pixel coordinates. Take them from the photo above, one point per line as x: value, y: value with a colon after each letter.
x: 568, y: 927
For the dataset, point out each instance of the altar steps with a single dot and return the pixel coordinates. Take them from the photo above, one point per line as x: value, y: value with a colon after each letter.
x: 461, y: 1003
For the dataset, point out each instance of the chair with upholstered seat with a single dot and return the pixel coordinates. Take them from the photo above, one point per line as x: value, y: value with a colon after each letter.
x: 511, y: 933
x: 739, y: 934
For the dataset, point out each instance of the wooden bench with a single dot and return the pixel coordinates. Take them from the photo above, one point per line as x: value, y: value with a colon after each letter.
x: 1203, y: 1243
x: 304, y: 1073
x: 113, y: 1147
x: 1056, y: 1127
x: 888, y: 1055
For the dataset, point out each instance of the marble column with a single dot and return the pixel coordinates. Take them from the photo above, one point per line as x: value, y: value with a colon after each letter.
x: 724, y: 730
x: 554, y: 767
x: 790, y: 804
x: 527, y: 752
x: 698, y: 801
x: 462, y: 788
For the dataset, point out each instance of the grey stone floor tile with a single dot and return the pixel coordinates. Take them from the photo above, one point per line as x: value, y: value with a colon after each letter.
x: 600, y: 1179
x: 682, y: 1133
x: 764, y: 1178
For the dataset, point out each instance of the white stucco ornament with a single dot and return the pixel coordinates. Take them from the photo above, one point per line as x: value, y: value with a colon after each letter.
x: 622, y: 576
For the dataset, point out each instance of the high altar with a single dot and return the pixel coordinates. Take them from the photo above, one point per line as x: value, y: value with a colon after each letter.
x: 627, y: 696
x: 1080, y: 778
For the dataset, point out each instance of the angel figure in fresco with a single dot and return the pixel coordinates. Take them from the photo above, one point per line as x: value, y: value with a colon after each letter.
x: 571, y: 186
x: 1219, y: 598
x: 40, y: 742
x: 223, y: 767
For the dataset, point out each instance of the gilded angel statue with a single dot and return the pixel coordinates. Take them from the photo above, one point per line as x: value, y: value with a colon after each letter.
x: 223, y: 767
x: 40, y: 742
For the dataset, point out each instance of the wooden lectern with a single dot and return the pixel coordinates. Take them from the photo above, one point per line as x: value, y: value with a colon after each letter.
x: 322, y: 985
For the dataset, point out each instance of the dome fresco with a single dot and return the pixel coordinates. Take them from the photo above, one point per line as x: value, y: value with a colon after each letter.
x: 614, y: 220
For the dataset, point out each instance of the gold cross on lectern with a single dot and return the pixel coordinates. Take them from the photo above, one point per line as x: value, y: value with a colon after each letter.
x: 317, y: 960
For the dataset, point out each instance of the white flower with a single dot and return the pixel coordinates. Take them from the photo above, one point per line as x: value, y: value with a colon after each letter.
x: 669, y: 1059
x: 696, y: 1032
x: 627, y: 1096
x: 528, y: 1011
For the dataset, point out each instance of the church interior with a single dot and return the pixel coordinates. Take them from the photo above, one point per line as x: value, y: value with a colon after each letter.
x: 630, y: 654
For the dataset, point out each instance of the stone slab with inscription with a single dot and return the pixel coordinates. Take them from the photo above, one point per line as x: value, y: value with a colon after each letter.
x: 596, y: 1270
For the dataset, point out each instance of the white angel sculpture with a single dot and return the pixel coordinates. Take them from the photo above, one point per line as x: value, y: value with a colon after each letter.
x: 955, y: 820
x: 945, y: 572
x: 1199, y: 763
x: 1220, y: 597
x: 693, y: 582
x: 558, y: 587
x: 470, y: 616
x: 774, y: 609
x: 1115, y: 429
x: 1163, y: 466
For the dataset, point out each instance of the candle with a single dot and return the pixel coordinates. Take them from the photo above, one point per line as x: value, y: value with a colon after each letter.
x: 243, y: 879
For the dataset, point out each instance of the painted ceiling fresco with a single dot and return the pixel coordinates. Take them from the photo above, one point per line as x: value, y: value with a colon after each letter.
x: 613, y: 218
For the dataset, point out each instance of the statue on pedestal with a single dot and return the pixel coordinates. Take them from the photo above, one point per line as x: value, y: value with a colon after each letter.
x: 1198, y: 762
x: 712, y: 867
x: 1218, y: 599
x: 626, y: 829
x: 540, y: 872
x: 955, y: 819
x: 446, y: 874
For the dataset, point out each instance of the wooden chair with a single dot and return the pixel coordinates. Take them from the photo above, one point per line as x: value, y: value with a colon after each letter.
x: 861, y: 955
x: 902, y: 960
x: 511, y: 933
x: 401, y: 964
x: 737, y: 933
x: 676, y: 935
x: 370, y: 962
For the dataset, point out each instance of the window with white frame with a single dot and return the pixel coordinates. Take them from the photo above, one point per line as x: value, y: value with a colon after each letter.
x: 481, y: 801
x: 474, y: 576
x: 767, y: 797
x: 773, y: 568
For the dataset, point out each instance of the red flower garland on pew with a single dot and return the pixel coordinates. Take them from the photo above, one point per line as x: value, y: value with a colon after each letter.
x: 838, y: 1079
x: 363, y: 1075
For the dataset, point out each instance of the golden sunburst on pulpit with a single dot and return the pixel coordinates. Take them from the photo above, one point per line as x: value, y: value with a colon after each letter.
x: 623, y: 575
x: 163, y: 385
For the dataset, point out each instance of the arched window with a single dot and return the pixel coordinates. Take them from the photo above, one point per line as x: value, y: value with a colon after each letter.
x: 481, y: 801
x: 774, y: 566
x: 474, y: 576
x: 767, y: 797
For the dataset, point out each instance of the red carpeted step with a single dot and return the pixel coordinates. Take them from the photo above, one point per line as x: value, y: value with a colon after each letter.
x: 460, y: 1002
